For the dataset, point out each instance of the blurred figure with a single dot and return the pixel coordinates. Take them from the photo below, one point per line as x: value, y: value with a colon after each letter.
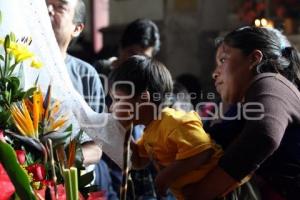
x: 67, y: 18
x: 140, y: 37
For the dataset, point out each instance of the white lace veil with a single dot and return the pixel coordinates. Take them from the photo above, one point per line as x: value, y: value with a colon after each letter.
x: 30, y: 18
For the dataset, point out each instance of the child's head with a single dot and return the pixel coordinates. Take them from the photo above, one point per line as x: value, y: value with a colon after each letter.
x: 141, y: 80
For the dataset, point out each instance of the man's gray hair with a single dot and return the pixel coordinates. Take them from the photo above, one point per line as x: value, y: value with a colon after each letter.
x: 80, y: 12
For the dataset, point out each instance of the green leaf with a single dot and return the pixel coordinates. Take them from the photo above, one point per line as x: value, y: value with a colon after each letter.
x: 29, y: 92
x: 27, y: 140
x: 16, y: 173
x: 7, y: 95
x: 1, y: 58
x: 29, y: 158
x: 57, y: 137
x: 70, y: 128
x: 12, y: 68
x: 13, y: 84
x: 4, y: 118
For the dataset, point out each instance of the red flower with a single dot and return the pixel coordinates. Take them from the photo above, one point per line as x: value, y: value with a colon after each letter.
x: 21, y: 156
x: 38, y: 171
x: 1, y: 134
x: 7, y: 188
x: 100, y: 195
x: 49, y: 183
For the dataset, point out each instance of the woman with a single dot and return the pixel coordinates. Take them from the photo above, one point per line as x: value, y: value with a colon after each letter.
x: 259, y: 68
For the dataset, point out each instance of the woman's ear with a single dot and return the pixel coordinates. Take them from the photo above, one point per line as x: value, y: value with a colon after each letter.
x: 255, y: 58
x: 145, y: 96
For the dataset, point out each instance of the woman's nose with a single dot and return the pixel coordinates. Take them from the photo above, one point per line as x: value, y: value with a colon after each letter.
x: 215, y: 74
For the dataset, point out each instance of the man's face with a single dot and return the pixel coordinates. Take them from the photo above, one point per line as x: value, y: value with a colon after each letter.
x: 61, y: 14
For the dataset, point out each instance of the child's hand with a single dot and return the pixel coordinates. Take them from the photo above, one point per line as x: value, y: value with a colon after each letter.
x: 161, y: 184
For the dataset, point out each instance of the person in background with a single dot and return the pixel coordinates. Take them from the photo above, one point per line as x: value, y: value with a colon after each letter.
x: 68, y: 18
x: 140, y: 37
x: 259, y: 68
x: 173, y: 140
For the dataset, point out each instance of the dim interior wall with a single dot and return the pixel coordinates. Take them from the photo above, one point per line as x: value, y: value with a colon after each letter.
x: 189, y: 37
x: 125, y: 11
x: 188, y: 29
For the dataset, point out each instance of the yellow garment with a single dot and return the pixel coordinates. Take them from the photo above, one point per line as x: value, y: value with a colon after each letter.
x: 178, y: 135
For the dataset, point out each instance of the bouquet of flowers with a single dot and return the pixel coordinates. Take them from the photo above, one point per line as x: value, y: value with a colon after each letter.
x: 37, y: 148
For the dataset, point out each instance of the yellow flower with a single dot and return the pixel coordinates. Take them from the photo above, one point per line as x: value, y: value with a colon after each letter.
x: 36, y: 63
x: 22, y: 119
x: 30, y: 114
x: 20, y: 51
x: 36, y: 109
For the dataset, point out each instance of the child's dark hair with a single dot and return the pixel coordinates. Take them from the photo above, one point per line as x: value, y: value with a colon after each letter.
x: 145, y: 74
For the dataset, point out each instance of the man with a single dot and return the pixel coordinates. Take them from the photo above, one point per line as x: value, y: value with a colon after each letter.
x: 67, y: 18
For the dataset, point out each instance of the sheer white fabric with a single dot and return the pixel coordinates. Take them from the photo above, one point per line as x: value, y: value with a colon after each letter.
x: 30, y: 18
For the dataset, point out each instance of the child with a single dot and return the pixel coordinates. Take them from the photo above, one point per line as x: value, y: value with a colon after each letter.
x: 174, y: 140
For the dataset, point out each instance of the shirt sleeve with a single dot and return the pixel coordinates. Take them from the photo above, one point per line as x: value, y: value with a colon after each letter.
x: 189, y: 139
x: 263, y: 130
x: 94, y: 93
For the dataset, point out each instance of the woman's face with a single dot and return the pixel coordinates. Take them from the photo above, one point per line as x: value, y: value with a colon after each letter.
x: 232, y: 74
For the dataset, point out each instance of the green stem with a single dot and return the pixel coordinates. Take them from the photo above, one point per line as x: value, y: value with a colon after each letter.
x: 74, y: 182
x: 6, y: 63
x: 1, y: 75
x: 12, y: 68
x: 68, y: 186
x: 52, y: 163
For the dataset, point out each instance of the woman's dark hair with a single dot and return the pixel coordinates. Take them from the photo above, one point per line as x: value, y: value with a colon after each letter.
x: 144, y: 74
x: 279, y: 56
x: 142, y: 32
